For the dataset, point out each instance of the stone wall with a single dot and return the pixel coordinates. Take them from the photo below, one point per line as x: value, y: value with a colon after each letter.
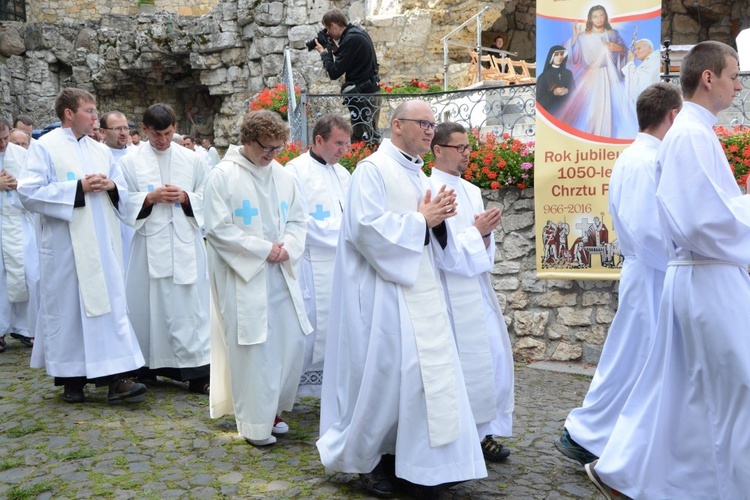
x: 57, y: 11
x: 560, y: 320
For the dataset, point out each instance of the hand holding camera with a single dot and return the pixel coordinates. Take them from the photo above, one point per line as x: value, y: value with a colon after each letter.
x: 320, y: 42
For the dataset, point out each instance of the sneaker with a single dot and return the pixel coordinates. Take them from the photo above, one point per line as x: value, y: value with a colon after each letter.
x: 124, y: 388
x: 73, y: 394
x: 261, y: 442
x: 571, y: 449
x: 494, y: 451
x: 279, y: 427
x: 609, y: 493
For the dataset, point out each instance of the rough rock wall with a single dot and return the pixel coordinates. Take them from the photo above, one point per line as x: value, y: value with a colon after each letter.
x: 209, y: 66
x: 57, y: 11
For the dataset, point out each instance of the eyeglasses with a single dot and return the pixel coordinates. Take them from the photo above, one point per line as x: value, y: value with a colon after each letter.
x: 267, y: 149
x: 423, y: 124
x: 91, y: 111
x: 460, y: 148
x: 119, y: 129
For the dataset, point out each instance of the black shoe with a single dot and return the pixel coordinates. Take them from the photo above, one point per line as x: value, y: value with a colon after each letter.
x: 73, y: 394
x: 494, y: 451
x: 420, y: 491
x: 3, y: 345
x: 377, y: 482
x: 27, y: 341
x: 124, y: 388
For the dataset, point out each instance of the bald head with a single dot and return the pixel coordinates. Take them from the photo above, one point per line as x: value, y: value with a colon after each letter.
x: 20, y: 138
x: 413, y: 127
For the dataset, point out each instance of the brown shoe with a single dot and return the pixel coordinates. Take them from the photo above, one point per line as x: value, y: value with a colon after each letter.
x: 124, y: 388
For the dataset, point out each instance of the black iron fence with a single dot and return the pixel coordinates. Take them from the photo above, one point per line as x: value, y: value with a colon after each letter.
x: 13, y: 10
x: 498, y: 109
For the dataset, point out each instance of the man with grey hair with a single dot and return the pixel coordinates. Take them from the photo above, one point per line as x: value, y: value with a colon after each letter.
x: 394, y: 405
x: 19, y: 261
x: 637, y: 78
x: 322, y: 184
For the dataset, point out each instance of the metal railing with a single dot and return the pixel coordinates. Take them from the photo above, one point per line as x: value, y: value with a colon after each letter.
x: 13, y: 10
x: 501, y: 109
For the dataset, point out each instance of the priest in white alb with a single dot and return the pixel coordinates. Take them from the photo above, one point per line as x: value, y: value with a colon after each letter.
x: 73, y: 183
x: 19, y: 258
x: 255, y: 227
x: 632, y: 204
x: 167, y: 280
x: 685, y: 435
x: 394, y: 405
x: 478, y: 323
x: 322, y: 184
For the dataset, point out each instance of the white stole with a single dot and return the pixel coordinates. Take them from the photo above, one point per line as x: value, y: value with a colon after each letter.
x: 167, y: 256
x: 251, y: 289
x: 321, y: 202
x: 91, y: 277
x: 12, y: 233
x: 433, y: 336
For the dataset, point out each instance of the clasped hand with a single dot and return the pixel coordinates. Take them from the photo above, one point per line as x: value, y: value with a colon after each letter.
x: 278, y: 254
x: 442, y: 206
x: 167, y: 194
x: 96, y: 183
x: 7, y: 181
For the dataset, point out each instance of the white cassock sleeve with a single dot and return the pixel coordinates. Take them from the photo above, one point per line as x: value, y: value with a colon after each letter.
x: 719, y: 226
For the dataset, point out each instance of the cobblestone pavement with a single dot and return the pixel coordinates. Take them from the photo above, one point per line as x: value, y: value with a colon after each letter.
x: 166, y: 446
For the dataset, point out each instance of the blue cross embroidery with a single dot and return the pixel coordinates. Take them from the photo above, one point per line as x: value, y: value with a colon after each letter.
x: 284, y: 209
x: 7, y: 193
x: 247, y: 212
x: 150, y: 187
x: 319, y: 213
x: 71, y: 176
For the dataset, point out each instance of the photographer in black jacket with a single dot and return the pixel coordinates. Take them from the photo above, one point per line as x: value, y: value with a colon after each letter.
x: 354, y: 56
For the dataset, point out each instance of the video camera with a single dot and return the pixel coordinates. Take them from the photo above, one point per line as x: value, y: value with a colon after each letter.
x: 323, y: 38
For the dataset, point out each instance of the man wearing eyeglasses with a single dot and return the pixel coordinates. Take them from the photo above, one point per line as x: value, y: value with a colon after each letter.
x: 255, y: 227
x: 322, y: 184
x: 83, y: 332
x: 114, y: 130
x: 114, y: 126
x: 394, y: 405
x: 478, y: 323
x: 167, y: 281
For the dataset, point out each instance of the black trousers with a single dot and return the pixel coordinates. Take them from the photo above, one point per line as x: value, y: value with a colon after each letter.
x: 364, y: 110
